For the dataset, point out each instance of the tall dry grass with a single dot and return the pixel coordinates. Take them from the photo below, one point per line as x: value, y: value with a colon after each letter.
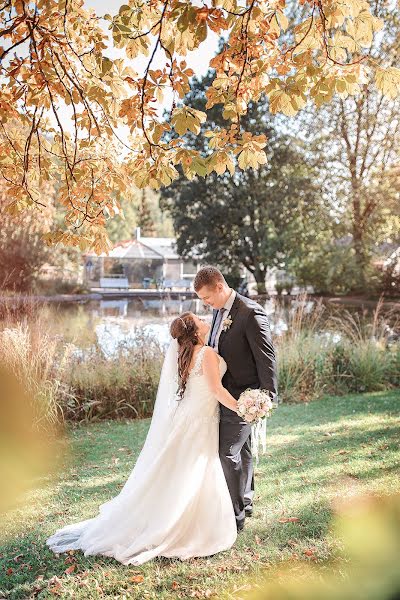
x: 322, y: 352
x: 35, y: 358
x: 123, y: 385
x: 62, y: 381
x: 336, y: 351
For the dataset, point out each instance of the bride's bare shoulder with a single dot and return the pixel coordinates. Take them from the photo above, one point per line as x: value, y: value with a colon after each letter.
x: 210, y: 355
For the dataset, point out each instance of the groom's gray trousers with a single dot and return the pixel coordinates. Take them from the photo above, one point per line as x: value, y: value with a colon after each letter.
x: 237, y: 463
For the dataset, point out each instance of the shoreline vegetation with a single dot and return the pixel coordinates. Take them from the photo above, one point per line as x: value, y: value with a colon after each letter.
x: 319, y: 353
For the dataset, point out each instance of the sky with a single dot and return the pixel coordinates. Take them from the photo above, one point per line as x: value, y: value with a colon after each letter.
x: 197, y: 60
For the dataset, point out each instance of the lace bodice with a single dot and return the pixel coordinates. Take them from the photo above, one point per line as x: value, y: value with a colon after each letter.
x: 199, y: 404
x: 197, y: 370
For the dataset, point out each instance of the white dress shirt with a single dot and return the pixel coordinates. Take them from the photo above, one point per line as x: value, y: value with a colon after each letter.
x: 227, y: 306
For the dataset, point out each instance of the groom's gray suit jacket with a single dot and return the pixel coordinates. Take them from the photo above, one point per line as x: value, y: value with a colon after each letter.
x: 247, y: 349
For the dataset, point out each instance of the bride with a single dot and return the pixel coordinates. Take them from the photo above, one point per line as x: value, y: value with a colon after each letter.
x: 176, y: 502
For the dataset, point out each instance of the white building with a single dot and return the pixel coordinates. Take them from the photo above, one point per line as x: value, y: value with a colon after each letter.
x: 143, y: 261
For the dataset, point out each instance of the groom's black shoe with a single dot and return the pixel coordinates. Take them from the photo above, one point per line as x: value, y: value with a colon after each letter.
x: 240, y: 527
x: 248, y: 511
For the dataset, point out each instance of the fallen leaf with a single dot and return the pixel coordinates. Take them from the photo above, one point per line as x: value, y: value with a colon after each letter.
x: 70, y: 570
x: 55, y: 590
x: 16, y: 558
x: 175, y: 585
x: 69, y: 560
x: 137, y: 579
x: 257, y: 540
x: 289, y: 520
x: 10, y: 571
x: 55, y: 585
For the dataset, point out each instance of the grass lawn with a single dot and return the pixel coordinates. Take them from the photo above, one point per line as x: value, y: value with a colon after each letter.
x: 318, y: 452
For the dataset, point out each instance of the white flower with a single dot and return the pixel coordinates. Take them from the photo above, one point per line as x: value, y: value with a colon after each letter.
x: 226, y: 323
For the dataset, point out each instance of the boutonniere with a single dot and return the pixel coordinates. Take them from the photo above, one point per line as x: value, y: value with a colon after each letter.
x: 226, y: 323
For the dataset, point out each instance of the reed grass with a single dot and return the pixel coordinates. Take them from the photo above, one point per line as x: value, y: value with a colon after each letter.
x: 322, y: 352
x: 336, y: 352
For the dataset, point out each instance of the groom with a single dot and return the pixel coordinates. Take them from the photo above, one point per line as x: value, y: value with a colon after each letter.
x: 240, y: 333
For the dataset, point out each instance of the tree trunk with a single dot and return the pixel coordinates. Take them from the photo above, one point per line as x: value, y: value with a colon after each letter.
x: 361, y: 258
x: 259, y: 275
x: 359, y: 239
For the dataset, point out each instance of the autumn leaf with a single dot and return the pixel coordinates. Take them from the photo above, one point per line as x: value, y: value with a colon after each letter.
x: 388, y: 81
x: 72, y: 66
x: 187, y: 119
x: 137, y: 579
x: 70, y: 570
x: 288, y: 520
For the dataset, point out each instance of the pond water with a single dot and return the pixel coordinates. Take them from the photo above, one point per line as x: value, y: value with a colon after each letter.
x: 110, y: 324
x: 128, y: 321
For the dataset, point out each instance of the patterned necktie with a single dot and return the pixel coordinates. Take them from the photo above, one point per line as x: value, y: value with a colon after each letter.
x: 216, y: 327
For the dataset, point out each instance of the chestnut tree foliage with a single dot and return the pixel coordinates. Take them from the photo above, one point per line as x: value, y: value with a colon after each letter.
x: 64, y: 98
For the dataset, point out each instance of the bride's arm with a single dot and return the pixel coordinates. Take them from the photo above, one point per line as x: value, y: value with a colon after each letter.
x: 213, y: 377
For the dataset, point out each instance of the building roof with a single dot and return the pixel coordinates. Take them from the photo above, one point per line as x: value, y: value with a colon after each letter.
x: 134, y: 249
x: 130, y: 249
x: 151, y: 248
x: 166, y: 247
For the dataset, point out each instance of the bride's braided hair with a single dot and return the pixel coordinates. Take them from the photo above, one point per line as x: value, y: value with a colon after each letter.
x: 184, y: 330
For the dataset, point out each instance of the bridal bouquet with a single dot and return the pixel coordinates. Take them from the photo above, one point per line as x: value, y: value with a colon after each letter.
x: 253, y: 405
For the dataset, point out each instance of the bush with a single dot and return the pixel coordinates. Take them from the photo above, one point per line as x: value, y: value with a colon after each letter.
x: 52, y: 287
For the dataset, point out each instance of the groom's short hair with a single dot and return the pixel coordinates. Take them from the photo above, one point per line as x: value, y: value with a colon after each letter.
x: 209, y: 276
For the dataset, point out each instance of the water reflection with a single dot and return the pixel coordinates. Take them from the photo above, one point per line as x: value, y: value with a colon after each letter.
x: 113, y: 323
x: 126, y: 321
x: 123, y: 321
x: 114, y: 307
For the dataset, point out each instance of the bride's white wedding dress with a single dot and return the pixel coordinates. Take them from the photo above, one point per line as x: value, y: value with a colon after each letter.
x: 175, y: 502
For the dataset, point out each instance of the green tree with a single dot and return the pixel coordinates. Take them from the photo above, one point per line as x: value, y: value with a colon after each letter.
x: 357, y: 139
x: 270, y: 217
x: 133, y: 213
x: 145, y: 219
